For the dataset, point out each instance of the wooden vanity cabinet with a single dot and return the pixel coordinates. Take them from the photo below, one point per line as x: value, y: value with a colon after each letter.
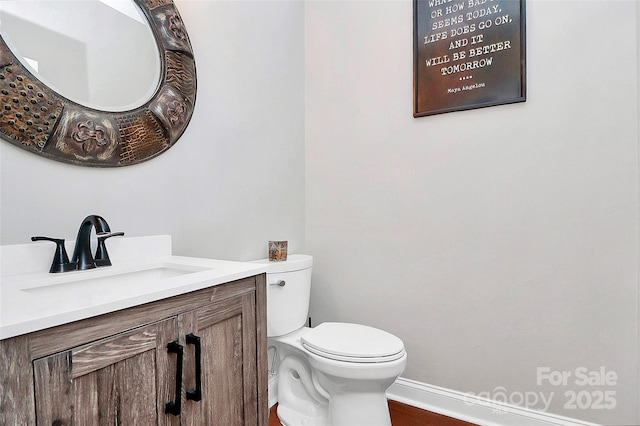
x: 227, y: 371
x: 124, y: 368
x: 119, y: 380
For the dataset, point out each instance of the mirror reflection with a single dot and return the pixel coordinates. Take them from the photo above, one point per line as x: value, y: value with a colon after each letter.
x: 99, y: 53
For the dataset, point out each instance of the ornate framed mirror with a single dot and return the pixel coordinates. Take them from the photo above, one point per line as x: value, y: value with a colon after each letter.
x: 37, y: 118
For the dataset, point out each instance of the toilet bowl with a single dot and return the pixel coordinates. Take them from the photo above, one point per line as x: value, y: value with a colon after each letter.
x: 334, y: 374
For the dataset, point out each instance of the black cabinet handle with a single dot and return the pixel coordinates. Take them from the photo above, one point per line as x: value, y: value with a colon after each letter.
x: 196, y: 394
x: 173, y: 407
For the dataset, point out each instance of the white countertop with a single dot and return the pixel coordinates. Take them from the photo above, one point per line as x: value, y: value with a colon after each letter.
x: 144, y: 270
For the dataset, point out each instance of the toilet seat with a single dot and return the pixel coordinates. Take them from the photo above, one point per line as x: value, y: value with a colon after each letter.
x: 353, y: 343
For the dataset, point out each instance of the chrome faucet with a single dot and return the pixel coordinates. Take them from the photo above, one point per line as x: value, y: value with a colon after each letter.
x: 82, y: 253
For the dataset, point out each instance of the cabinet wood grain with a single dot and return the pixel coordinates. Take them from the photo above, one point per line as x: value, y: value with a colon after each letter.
x: 115, y: 368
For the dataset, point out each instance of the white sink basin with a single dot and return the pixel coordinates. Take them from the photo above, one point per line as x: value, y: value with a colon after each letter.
x: 143, y: 271
x: 98, y: 283
x: 105, y: 286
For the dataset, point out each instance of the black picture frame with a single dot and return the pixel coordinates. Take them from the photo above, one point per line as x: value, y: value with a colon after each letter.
x: 468, y: 54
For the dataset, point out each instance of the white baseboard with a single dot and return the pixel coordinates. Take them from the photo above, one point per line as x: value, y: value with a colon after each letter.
x: 472, y: 408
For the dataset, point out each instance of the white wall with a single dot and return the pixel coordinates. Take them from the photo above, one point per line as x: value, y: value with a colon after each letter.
x: 234, y: 181
x: 492, y: 241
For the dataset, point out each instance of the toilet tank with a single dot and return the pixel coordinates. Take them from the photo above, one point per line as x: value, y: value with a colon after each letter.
x: 288, y: 292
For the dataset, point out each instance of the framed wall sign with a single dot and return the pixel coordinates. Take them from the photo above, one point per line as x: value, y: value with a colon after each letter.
x: 467, y: 54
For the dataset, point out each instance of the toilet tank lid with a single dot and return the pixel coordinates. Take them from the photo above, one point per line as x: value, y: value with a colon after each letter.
x: 294, y: 262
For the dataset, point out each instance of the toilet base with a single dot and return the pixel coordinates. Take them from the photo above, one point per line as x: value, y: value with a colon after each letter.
x: 289, y: 417
x: 342, y: 412
x: 303, y: 401
x: 300, y: 401
x: 348, y: 410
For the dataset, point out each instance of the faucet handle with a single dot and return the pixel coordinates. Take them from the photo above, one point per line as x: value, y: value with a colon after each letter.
x: 102, y: 257
x: 60, y: 259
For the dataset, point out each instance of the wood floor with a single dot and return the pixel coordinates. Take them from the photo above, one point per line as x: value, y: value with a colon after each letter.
x: 401, y: 415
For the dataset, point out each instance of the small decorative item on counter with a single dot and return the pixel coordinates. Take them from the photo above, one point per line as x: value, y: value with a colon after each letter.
x: 277, y: 251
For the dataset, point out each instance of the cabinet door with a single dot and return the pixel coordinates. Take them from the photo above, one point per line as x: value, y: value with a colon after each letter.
x: 227, y: 335
x: 124, y: 379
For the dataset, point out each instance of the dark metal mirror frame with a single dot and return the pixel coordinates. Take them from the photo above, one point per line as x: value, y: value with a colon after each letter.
x: 39, y: 120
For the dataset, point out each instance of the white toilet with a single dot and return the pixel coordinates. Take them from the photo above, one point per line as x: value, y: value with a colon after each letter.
x: 335, y: 374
